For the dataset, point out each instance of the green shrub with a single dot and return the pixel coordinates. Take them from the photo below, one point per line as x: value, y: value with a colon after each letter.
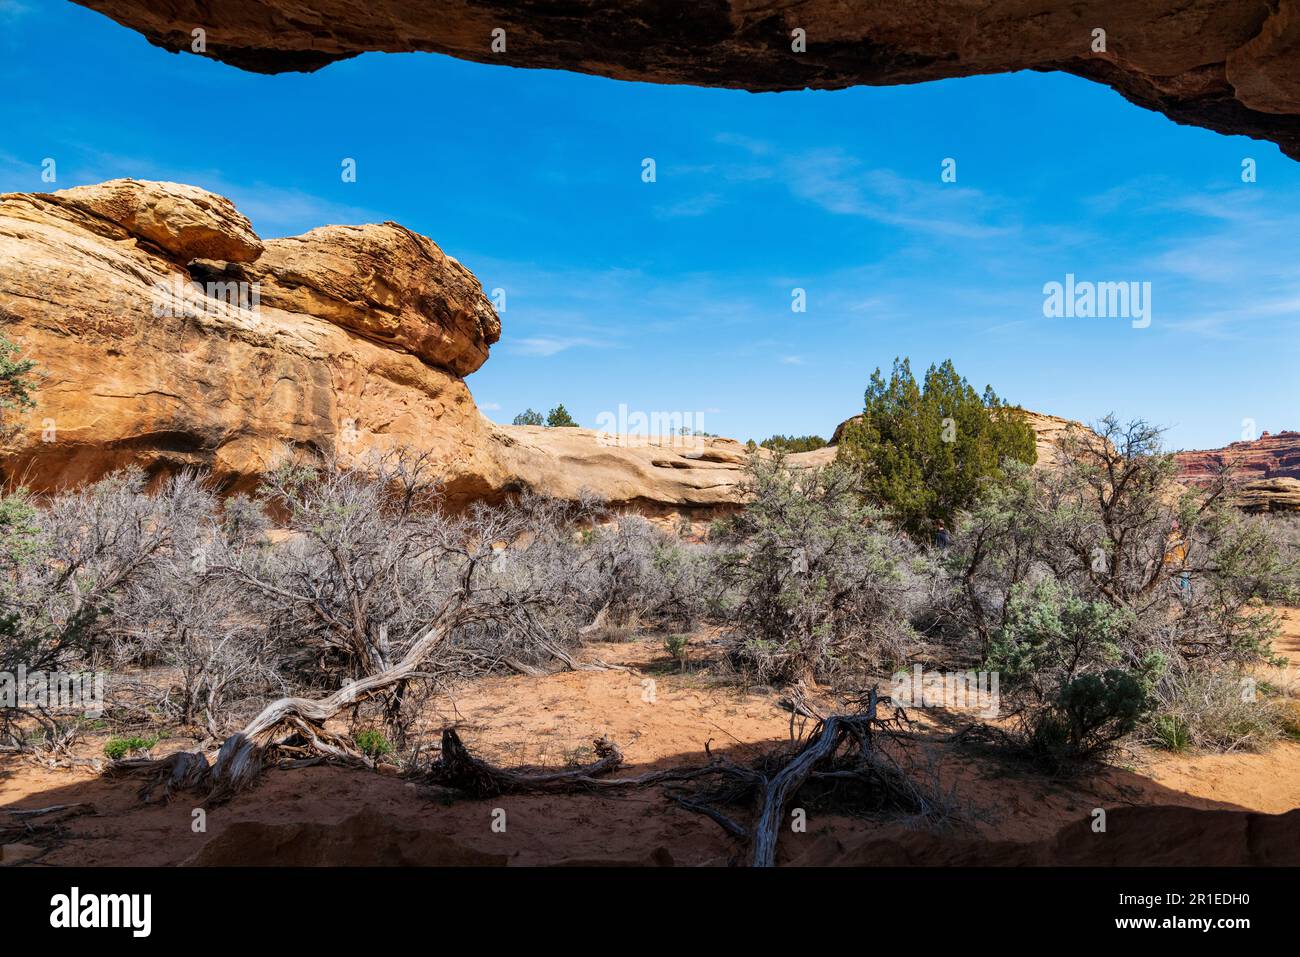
x: 16, y: 386
x: 925, y: 450
x: 1052, y: 635
x: 794, y: 443
x: 372, y: 744
x: 559, y: 418
x: 817, y: 583
x: 1088, y: 716
x: 676, y: 646
x: 1061, y: 665
x: 529, y: 417
x: 118, y: 748
x: 1283, y: 586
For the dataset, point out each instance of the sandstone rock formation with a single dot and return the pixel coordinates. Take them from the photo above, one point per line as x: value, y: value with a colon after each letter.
x: 656, y: 475
x: 1270, y: 495
x: 1269, y: 456
x: 1268, y: 467
x: 1231, y: 67
x: 168, y: 335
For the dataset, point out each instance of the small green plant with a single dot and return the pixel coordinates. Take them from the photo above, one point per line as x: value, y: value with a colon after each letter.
x: 582, y: 754
x: 529, y: 417
x: 118, y: 748
x: 1171, y: 733
x: 16, y: 386
x: 677, y: 646
x: 1088, y: 717
x: 373, y: 744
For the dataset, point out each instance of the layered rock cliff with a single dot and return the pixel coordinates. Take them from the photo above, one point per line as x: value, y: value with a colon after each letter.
x: 1233, y: 67
x: 1267, y: 467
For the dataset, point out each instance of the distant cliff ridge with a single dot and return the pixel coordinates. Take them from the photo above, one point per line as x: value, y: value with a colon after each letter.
x: 1269, y: 467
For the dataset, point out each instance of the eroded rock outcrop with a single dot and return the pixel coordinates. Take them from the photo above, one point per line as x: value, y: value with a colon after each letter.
x: 1267, y: 467
x: 1231, y: 67
x: 387, y: 283
x: 658, y: 476
x: 168, y: 335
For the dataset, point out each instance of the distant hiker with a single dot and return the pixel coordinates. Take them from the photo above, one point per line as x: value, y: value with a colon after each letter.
x: 1176, y: 557
x: 941, y: 537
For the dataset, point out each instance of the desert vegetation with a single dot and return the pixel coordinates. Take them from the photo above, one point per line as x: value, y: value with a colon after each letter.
x: 1105, y: 601
x: 792, y: 443
x: 925, y: 450
x: 557, y: 418
x: 314, y: 619
x: 17, y: 382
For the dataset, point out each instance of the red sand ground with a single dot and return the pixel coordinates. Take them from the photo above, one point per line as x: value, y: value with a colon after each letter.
x: 327, y: 815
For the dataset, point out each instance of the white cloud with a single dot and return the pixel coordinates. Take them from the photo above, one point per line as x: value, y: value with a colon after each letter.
x: 550, y: 345
x: 692, y: 206
x: 839, y: 184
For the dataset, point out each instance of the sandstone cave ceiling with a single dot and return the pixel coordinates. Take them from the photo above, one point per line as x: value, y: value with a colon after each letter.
x: 1232, y: 66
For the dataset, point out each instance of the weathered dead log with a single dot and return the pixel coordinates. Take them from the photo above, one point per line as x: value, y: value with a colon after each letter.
x: 597, y: 623
x: 781, y: 790
x: 27, y: 823
x: 727, y: 824
x: 840, y: 750
x: 457, y: 768
x: 574, y: 665
x: 182, y: 771
x: 24, y: 814
x: 242, y: 755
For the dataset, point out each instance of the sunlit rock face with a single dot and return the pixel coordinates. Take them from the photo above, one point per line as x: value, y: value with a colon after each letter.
x: 1233, y: 67
x: 168, y: 335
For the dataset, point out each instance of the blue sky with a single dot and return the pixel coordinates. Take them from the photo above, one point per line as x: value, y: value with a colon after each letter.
x: 676, y: 295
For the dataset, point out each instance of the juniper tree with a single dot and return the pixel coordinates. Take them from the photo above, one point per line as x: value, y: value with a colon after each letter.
x: 925, y: 449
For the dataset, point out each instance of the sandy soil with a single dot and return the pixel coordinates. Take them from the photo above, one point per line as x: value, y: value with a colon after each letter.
x: 1263, y: 782
x: 334, y: 816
